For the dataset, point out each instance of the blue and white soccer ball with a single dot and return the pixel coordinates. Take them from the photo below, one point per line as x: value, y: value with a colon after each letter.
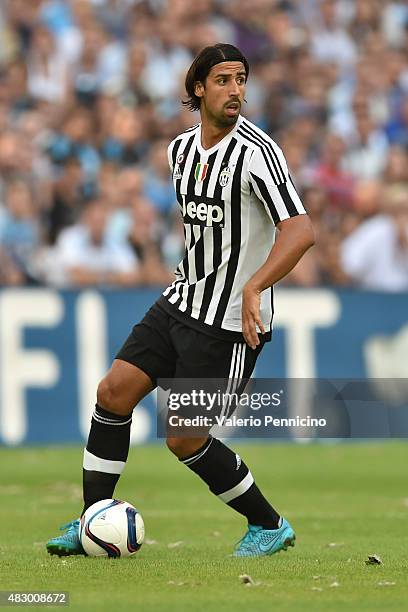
x: 111, y: 528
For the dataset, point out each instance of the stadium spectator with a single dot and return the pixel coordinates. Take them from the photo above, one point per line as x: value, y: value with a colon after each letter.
x: 102, y: 59
x: 367, y: 155
x: 19, y: 234
x: 143, y: 237
x: 330, y: 42
x: 397, y: 129
x: 125, y: 144
x: 47, y: 67
x: 375, y: 255
x: 18, y: 92
x: 366, y: 198
x: 68, y: 193
x: 158, y: 186
x: 166, y: 62
x: 396, y: 170
x: 337, y: 183
x: 136, y: 69
x: 85, y: 255
x: 76, y: 140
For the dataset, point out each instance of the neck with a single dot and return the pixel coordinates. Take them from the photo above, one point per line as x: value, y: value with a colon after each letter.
x: 212, y: 134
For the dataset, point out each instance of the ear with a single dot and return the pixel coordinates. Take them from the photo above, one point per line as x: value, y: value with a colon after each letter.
x: 199, y: 89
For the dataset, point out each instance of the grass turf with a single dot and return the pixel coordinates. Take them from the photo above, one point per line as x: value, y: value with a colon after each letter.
x: 345, y: 502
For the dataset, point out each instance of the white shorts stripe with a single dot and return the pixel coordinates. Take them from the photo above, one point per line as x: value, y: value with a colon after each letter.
x: 230, y: 377
x: 97, y: 464
x: 238, y: 490
x: 231, y: 372
x: 237, y: 364
x: 241, y: 371
x: 235, y: 375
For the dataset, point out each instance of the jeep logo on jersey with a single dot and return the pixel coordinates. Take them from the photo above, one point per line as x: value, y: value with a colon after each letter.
x: 201, y: 210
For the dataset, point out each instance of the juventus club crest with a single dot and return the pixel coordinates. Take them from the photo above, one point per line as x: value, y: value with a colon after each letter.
x: 224, y: 176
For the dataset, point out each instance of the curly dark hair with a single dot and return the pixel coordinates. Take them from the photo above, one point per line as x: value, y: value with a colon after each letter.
x: 201, y: 66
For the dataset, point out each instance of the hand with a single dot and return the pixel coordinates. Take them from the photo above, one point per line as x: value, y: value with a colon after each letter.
x: 251, y: 304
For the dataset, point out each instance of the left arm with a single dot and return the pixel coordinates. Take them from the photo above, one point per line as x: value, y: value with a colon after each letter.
x: 295, y: 237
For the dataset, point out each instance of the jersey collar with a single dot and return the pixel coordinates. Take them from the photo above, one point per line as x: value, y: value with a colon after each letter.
x: 221, y: 143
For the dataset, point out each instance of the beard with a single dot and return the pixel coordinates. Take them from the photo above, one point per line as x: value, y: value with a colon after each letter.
x: 222, y: 120
x: 230, y: 120
x: 227, y: 121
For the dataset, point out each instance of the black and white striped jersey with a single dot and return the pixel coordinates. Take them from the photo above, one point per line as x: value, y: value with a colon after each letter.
x: 231, y: 197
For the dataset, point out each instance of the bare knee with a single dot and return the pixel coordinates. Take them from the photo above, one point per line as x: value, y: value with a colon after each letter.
x: 184, y: 447
x: 122, y: 388
x: 109, y: 396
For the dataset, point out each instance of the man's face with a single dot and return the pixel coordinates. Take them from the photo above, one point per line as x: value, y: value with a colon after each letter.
x: 222, y: 93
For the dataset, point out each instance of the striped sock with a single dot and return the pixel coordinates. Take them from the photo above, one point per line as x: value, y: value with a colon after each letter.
x: 105, y: 454
x: 229, y: 478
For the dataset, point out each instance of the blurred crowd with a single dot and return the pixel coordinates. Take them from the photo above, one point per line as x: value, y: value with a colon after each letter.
x: 90, y: 96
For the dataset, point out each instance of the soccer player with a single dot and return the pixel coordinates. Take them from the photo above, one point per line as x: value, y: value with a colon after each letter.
x: 233, y: 189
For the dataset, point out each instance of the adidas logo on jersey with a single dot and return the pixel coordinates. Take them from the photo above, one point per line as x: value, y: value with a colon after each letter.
x: 201, y: 210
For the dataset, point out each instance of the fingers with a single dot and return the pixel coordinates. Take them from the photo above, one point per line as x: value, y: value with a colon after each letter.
x: 249, y: 331
x: 260, y: 325
x: 251, y: 318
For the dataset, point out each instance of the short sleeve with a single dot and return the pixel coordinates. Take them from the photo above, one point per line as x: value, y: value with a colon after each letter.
x: 270, y: 180
x: 170, y: 157
x: 172, y: 151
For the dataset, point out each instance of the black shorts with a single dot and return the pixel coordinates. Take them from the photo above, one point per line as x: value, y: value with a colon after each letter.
x: 165, y: 348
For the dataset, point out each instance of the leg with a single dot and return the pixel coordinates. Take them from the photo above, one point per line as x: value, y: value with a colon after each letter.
x: 107, y: 448
x: 221, y: 468
x: 124, y: 386
x: 227, y: 476
x: 108, y: 444
x: 184, y: 447
x: 146, y: 355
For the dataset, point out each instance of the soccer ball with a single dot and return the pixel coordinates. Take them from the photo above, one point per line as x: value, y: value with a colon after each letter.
x: 111, y: 528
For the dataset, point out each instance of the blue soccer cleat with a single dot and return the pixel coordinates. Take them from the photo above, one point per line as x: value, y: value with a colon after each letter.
x: 68, y: 543
x: 259, y: 542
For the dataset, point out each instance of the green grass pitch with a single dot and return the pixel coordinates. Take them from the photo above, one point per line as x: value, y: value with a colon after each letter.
x: 345, y: 501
